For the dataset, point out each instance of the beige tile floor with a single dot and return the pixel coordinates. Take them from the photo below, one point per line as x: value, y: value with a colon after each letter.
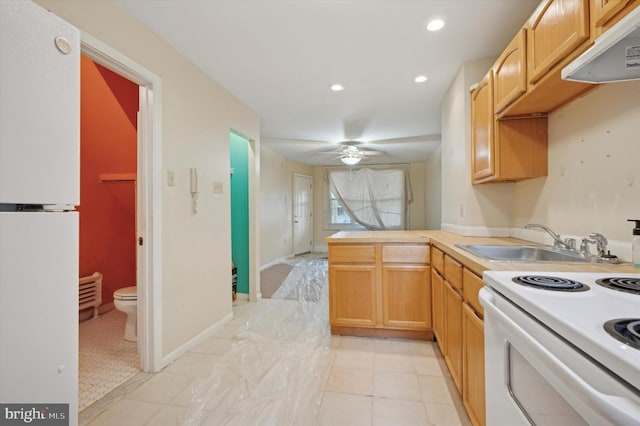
x: 371, y: 382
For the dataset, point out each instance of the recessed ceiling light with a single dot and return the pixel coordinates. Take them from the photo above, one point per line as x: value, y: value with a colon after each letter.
x: 420, y: 79
x: 337, y: 87
x: 435, y: 25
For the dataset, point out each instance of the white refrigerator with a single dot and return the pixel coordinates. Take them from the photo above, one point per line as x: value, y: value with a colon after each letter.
x: 39, y: 189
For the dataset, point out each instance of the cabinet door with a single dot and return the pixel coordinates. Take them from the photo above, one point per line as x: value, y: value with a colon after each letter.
x: 471, y: 286
x: 453, y: 333
x: 510, y: 73
x: 556, y: 30
x: 437, y: 259
x: 603, y: 10
x: 473, y: 366
x: 406, y: 296
x: 482, y: 128
x: 352, y: 295
x: 453, y: 272
x: 437, y: 307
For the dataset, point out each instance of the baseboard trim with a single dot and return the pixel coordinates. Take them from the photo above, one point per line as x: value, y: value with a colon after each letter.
x: 274, y: 262
x: 382, y: 332
x: 181, y: 350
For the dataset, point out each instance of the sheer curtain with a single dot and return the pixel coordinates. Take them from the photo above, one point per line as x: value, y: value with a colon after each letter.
x: 375, y: 198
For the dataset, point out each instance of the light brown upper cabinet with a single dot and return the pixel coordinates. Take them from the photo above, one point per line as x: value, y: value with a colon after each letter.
x: 510, y: 72
x: 605, y: 13
x: 482, y: 121
x: 556, y: 33
x: 504, y: 150
x: 559, y: 27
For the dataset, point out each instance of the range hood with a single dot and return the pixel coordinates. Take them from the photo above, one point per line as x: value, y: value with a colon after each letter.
x: 615, y: 55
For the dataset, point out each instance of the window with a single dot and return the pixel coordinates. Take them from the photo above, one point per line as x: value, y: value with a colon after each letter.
x: 366, y: 198
x: 338, y: 216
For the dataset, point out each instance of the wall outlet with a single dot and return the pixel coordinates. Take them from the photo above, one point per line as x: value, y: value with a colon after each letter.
x: 461, y: 210
x: 171, y: 178
x: 217, y: 187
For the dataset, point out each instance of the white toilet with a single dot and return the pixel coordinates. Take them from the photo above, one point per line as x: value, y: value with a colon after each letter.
x: 126, y: 300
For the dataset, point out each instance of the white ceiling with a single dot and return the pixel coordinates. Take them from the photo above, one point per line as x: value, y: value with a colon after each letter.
x: 280, y: 57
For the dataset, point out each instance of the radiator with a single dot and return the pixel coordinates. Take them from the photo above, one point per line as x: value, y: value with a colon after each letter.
x: 90, y: 292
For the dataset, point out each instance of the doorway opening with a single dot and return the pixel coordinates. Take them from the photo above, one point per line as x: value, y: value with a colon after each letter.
x: 108, y: 356
x: 302, y: 214
x: 239, y: 162
x: 147, y: 196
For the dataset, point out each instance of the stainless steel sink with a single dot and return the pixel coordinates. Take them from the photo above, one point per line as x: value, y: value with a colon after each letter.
x: 505, y: 253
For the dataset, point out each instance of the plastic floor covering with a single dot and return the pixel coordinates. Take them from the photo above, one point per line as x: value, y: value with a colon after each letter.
x: 274, y: 371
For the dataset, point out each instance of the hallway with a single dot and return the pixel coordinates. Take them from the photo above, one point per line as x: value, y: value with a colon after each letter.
x: 364, y: 381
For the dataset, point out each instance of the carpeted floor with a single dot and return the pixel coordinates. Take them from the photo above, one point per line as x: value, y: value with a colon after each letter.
x: 272, y: 277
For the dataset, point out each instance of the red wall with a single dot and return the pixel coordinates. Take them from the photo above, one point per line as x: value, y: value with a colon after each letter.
x: 108, y: 144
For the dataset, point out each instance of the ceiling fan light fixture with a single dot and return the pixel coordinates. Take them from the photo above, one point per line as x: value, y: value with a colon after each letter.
x: 351, y: 155
x: 350, y: 160
x: 435, y: 25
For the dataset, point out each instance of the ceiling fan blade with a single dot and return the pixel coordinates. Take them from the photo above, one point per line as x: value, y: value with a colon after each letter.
x: 408, y: 139
x: 376, y: 152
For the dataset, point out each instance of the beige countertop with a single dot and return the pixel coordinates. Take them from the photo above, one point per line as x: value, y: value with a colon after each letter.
x: 446, y: 242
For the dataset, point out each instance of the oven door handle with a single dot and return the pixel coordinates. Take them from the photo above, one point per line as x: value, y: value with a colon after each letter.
x: 614, y: 409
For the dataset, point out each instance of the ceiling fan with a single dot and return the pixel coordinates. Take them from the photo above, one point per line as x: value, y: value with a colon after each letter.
x: 349, y: 153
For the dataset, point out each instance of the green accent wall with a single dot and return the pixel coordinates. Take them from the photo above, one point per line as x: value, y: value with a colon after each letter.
x: 239, y: 153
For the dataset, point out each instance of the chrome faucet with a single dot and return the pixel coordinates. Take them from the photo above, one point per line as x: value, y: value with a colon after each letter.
x: 558, y: 242
x: 601, y: 243
x: 584, y: 248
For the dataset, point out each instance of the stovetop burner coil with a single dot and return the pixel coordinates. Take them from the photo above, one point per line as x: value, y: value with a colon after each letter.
x: 628, y: 285
x: 626, y: 330
x: 550, y: 283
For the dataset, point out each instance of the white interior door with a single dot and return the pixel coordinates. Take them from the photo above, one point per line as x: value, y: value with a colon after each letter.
x: 302, y: 214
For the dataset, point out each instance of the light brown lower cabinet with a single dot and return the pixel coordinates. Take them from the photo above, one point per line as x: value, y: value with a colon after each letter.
x: 453, y: 333
x: 437, y: 295
x: 473, y: 393
x: 406, y: 296
x: 380, y: 289
x: 353, y: 295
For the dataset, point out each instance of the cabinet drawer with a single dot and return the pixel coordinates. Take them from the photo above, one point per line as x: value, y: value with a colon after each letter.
x: 471, y: 286
x: 352, y: 254
x: 453, y: 273
x: 437, y: 259
x: 406, y: 254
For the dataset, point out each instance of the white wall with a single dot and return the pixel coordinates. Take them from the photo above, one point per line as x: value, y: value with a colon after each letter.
x: 433, y: 190
x: 416, y: 211
x: 594, y: 173
x: 276, y: 190
x: 594, y: 169
x: 467, y: 209
x: 197, y: 115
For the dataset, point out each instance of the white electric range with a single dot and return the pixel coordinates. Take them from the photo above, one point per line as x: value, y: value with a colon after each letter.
x: 553, y: 355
